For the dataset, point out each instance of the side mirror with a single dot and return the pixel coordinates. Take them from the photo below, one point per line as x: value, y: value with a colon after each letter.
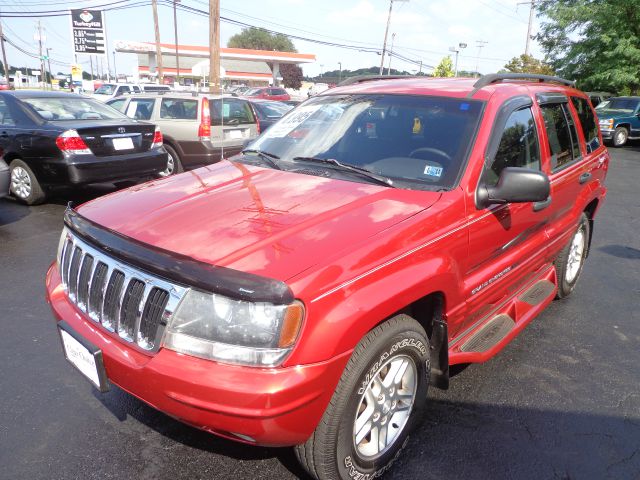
x: 515, y: 185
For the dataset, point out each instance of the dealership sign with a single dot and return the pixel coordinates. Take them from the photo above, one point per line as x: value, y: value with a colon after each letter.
x: 88, y: 32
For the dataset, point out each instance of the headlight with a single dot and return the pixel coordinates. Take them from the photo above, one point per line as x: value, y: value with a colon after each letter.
x: 233, y: 331
x: 63, y: 237
x: 607, y: 123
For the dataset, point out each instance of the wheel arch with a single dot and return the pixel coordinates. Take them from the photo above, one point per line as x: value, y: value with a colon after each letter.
x: 590, y: 211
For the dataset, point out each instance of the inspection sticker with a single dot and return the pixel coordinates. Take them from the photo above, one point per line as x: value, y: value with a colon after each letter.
x: 432, y: 171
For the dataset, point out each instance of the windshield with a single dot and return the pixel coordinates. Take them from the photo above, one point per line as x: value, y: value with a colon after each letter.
x: 70, y: 108
x: 106, y: 89
x: 272, y: 109
x: 252, y: 91
x: 624, y: 104
x: 416, y: 141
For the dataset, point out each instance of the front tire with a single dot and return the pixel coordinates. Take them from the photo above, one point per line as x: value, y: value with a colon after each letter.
x: 620, y: 137
x: 570, y: 261
x: 25, y: 187
x: 377, y: 403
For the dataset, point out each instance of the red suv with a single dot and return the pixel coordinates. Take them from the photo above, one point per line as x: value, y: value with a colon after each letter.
x: 271, y: 93
x: 309, y: 291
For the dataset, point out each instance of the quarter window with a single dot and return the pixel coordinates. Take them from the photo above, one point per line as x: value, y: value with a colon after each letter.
x: 230, y: 112
x: 561, y: 133
x: 588, y: 122
x: 6, y: 118
x: 518, y: 147
x: 140, y: 108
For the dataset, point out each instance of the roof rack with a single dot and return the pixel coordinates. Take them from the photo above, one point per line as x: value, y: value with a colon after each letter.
x: 499, y: 77
x: 370, y: 78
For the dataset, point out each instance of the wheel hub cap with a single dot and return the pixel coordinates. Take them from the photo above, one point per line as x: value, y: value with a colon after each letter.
x: 385, y: 406
x: 170, y: 166
x: 20, y: 182
x: 576, y: 251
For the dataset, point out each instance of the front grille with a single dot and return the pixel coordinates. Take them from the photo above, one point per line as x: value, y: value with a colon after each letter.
x: 123, y: 299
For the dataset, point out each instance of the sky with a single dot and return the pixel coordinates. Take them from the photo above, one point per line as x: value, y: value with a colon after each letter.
x: 425, y: 30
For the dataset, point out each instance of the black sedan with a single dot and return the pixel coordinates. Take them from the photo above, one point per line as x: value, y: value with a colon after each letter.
x: 51, y: 139
x: 4, y: 179
x: 268, y: 112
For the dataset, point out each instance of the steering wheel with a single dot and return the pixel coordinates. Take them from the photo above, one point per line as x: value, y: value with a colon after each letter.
x: 435, y: 151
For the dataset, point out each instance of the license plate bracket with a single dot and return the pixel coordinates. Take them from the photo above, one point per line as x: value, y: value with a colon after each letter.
x: 84, y: 356
x: 122, y: 143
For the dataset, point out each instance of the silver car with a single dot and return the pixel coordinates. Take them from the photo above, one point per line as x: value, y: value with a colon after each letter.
x: 198, y: 129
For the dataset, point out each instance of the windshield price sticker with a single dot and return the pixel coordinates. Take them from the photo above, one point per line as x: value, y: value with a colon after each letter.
x: 291, y: 121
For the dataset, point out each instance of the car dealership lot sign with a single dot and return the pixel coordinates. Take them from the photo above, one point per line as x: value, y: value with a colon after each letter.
x: 88, y: 32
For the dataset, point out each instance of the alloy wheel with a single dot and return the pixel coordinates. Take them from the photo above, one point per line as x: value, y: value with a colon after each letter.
x: 20, y: 182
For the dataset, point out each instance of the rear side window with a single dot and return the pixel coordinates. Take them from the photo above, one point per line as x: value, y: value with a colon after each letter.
x: 122, y: 90
x: 6, y: 119
x: 588, y: 123
x: 179, y: 109
x: 518, y: 147
x: 230, y: 112
x: 118, y: 104
x: 140, y: 108
x: 561, y: 133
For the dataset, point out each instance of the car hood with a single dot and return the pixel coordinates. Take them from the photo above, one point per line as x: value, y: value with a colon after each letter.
x: 268, y: 222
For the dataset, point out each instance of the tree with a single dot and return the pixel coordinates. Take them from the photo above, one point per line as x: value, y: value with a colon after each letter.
x: 527, y: 64
x: 291, y: 75
x: 260, y: 39
x: 444, y: 68
x: 596, y: 43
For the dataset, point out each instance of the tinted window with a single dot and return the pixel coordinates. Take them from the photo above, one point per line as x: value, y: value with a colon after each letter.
x: 624, y: 104
x: 69, y: 108
x: 279, y: 91
x: 518, y: 147
x: 136, y: 89
x: 230, y: 112
x: 561, y: 134
x: 106, y: 89
x: 418, y: 142
x: 6, y: 118
x: 180, y: 109
x: 588, y: 123
x: 118, y: 104
x: 140, y: 108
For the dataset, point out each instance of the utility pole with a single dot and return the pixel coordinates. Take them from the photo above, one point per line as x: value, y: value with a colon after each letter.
x: 214, y: 45
x: 115, y: 71
x: 154, y: 4
x: 420, y: 71
x: 4, y: 55
x: 480, y: 44
x: 393, y: 38
x: 175, y: 34
x: 340, y: 74
x: 531, y: 9
x: 39, y: 35
x: 49, y: 65
x: 106, y: 48
x: 386, y: 33
x: 91, y: 65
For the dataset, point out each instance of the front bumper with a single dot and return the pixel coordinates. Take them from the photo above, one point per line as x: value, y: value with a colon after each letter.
x: 606, y: 133
x: 262, y: 406
x: 200, y: 153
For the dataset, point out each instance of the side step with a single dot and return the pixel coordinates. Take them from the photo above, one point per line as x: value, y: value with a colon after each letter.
x: 537, y: 293
x: 491, y: 333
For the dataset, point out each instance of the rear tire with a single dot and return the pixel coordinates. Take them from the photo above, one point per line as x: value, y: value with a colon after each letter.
x: 377, y: 403
x: 174, y: 165
x: 620, y: 137
x: 24, y: 186
x: 570, y: 260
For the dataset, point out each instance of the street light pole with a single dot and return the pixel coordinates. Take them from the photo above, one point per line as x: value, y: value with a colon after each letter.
x: 115, y: 70
x: 393, y: 38
x: 49, y: 66
x: 175, y: 32
x: 386, y: 33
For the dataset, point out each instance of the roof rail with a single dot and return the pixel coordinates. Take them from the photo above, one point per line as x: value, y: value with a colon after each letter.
x: 370, y: 78
x: 499, y: 77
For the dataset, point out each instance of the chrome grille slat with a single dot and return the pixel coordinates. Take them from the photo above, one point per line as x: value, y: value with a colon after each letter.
x: 123, y: 299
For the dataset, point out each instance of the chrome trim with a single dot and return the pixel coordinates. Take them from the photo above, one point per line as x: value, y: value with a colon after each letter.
x: 96, y: 313
x: 122, y: 135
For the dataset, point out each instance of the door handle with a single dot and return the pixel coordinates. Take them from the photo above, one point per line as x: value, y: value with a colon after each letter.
x: 584, y: 178
x: 537, y: 206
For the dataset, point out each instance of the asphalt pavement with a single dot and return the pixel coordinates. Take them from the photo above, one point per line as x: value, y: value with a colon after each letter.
x: 561, y: 401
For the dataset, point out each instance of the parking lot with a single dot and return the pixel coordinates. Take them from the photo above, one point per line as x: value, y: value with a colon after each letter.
x: 561, y: 401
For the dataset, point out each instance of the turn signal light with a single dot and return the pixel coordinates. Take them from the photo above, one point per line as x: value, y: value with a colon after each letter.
x: 70, y: 142
x: 157, y: 138
x: 204, y: 129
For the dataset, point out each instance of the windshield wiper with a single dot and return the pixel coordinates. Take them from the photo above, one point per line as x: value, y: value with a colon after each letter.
x: 265, y: 156
x: 387, y: 182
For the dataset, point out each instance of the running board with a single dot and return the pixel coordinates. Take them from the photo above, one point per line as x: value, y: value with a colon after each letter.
x: 491, y: 333
x: 537, y: 293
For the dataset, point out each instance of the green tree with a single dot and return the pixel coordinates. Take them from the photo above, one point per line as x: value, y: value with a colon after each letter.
x: 596, y: 43
x: 444, y: 68
x: 527, y: 64
x: 260, y: 39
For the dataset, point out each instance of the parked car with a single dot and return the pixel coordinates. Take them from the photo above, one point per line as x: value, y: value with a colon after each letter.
x: 53, y: 138
x: 619, y: 119
x: 270, y: 93
x: 4, y: 178
x: 598, y: 97
x: 268, y: 112
x: 197, y: 130
x: 107, y: 91
x: 4, y: 85
x: 310, y: 291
